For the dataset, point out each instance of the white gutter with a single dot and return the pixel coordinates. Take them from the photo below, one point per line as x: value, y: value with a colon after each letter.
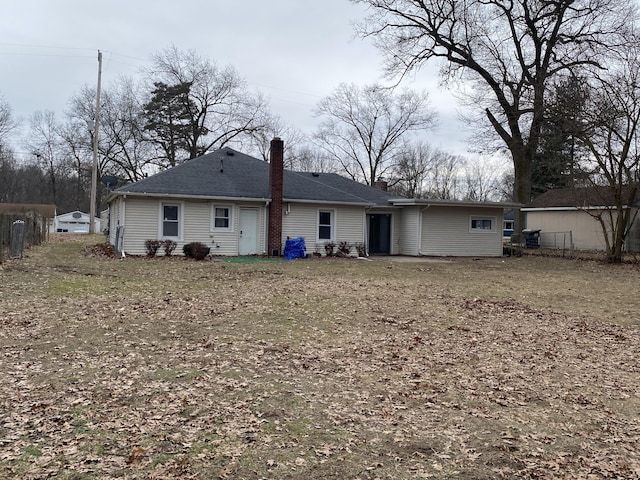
x: 124, y: 223
x: 265, y: 240
x: 565, y: 209
x: 329, y: 202
x: 194, y: 197
x: 420, y: 252
x: 365, y: 230
x: 248, y: 199
x: 452, y: 203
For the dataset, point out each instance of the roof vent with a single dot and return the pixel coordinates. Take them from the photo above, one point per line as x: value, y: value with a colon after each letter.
x: 230, y: 153
x: 315, y: 174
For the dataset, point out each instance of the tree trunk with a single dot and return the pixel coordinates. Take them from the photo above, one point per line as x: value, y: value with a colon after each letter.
x: 617, y: 246
x: 521, y: 184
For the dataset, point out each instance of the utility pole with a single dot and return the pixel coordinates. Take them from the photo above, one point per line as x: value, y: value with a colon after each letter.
x: 94, y: 170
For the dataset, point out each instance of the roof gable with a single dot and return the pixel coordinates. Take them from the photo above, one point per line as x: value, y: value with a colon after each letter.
x: 72, y: 216
x: 230, y: 174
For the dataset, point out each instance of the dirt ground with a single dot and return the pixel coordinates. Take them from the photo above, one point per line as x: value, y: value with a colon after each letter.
x: 164, y: 368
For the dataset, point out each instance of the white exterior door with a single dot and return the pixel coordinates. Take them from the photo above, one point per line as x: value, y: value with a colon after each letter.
x: 248, y: 231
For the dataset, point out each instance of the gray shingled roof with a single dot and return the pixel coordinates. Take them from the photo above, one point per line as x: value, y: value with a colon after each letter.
x: 229, y: 173
x: 595, y: 196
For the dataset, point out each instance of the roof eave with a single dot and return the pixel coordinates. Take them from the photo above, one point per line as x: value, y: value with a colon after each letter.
x: 187, y: 196
x: 453, y: 203
x: 567, y: 209
x: 113, y: 195
x: 334, y: 202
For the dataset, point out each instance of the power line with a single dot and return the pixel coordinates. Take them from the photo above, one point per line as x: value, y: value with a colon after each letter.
x: 44, y: 46
x: 50, y: 47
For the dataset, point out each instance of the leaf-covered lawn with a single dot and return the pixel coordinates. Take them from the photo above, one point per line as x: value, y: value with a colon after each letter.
x: 319, y: 368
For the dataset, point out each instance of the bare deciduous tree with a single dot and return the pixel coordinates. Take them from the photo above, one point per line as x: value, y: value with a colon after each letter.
x: 124, y: 149
x: 44, y: 142
x: 422, y: 171
x: 274, y: 126
x: 79, y: 160
x: 127, y: 151
x: 411, y: 171
x: 7, y: 122
x: 611, y: 133
x: 508, y: 52
x: 220, y: 107
x: 445, y: 177
x: 483, y: 180
x: 308, y: 158
x: 364, y: 128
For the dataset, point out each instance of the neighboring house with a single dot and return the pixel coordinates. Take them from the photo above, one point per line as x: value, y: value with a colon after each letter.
x: 574, y: 210
x: 74, y: 222
x: 240, y: 205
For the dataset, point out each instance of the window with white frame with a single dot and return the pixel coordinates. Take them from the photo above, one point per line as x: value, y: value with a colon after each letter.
x: 326, y: 221
x: 170, y: 220
x: 221, y: 217
x: 482, y: 224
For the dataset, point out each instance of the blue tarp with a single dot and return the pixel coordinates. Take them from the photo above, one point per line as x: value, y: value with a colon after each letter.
x: 294, y: 248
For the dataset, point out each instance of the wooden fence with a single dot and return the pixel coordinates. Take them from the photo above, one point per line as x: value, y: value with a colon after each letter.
x: 36, y: 218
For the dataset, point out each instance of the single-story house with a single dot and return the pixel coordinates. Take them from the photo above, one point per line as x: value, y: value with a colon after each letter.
x: 574, y: 210
x: 240, y: 205
x: 74, y: 222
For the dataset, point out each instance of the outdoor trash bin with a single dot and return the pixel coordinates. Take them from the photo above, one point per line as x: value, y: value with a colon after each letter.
x: 531, y: 238
x: 294, y: 248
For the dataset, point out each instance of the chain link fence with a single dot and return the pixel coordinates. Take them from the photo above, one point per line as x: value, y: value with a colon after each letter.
x: 542, y: 243
x: 557, y: 243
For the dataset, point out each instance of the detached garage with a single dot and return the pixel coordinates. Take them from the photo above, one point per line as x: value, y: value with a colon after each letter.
x: 74, y: 222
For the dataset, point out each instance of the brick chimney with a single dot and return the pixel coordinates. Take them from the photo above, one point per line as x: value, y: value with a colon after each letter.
x: 276, y: 172
x: 380, y: 184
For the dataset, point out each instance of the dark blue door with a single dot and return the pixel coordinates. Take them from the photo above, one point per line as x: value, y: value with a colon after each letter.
x: 380, y: 233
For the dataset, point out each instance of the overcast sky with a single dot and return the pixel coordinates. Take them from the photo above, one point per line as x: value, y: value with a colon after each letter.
x: 294, y: 51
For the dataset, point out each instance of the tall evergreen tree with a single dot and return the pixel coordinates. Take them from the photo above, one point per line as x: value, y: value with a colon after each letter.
x: 555, y: 162
x: 167, y: 116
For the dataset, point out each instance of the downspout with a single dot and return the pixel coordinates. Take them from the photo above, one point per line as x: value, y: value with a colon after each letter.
x: 124, y: 204
x: 266, y: 227
x: 365, y: 231
x: 420, y: 252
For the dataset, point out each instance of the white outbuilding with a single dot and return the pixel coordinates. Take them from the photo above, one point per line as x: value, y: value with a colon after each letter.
x: 74, y: 222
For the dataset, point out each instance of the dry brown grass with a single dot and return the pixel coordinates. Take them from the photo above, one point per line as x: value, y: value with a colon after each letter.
x: 166, y: 368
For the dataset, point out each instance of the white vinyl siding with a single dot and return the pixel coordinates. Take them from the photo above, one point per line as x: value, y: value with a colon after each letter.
x: 197, y: 228
x: 143, y: 223
x: 446, y: 232
x: 302, y: 221
x: 116, y: 218
x: 225, y: 242
x: 586, y: 231
x: 350, y: 224
x: 409, y: 231
x: 396, y: 234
